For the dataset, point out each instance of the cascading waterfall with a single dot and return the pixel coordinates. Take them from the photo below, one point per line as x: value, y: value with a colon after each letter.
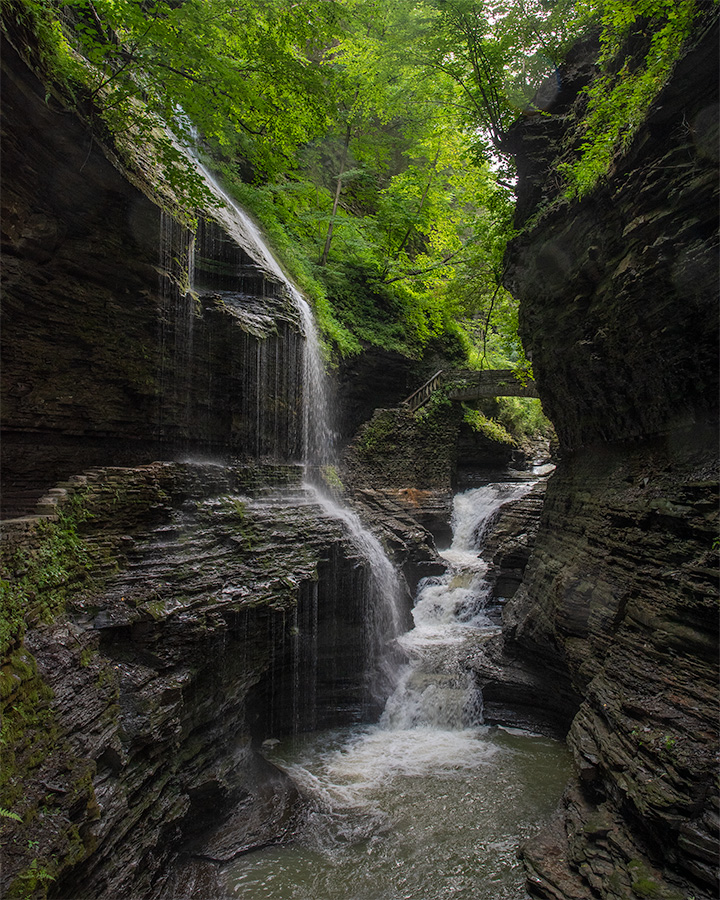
x: 428, y: 803
x: 382, y: 611
x: 318, y: 432
x: 319, y: 440
x: 382, y: 799
x: 382, y: 600
x: 434, y: 690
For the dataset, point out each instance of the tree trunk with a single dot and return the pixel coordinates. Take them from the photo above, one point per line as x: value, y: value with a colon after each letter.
x: 338, y: 189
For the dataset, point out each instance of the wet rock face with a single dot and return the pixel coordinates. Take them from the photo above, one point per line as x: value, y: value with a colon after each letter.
x: 618, y: 294
x: 204, y: 619
x: 511, y: 538
x: 433, y: 450
x: 619, y: 606
x: 621, y: 594
x: 107, y: 358
x: 514, y: 687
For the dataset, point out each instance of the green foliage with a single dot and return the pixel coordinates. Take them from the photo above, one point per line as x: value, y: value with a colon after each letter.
x: 522, y: 417
x: 496, y: 52
x: 490, y: 428
x: 618, y: 100
x: 376, y: 433
x: 36, y: 579
x: 8, y: 814
x: 36, y: 878
x: 238, y: 70
x: 353, y: 148
x: 365, y: 137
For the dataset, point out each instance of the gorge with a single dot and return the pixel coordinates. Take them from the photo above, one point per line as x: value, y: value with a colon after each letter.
x: 190, y: 576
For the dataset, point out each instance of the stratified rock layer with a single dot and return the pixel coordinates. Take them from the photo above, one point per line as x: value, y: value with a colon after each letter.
x: 108, y: 356
x: 619, y: 300
x: 203, y: 616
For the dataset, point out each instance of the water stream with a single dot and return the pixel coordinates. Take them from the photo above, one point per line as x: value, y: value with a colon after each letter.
x: 382, y: 603
x: 383, y: 611
x: 429, y: 803
x: 319, y: 438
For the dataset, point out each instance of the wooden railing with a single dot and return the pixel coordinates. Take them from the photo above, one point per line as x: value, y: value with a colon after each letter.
x: 423, y: 394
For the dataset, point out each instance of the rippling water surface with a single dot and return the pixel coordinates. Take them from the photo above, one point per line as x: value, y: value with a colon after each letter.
x: 429, y: 803
x: 416, y: 814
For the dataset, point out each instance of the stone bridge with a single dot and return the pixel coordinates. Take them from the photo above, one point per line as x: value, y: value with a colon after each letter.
x: 469, y: 385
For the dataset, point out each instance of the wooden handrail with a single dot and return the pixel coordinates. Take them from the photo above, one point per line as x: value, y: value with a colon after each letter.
x: 421, y: 396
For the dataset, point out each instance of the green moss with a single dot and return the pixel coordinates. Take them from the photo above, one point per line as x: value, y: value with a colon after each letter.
x: 489, y: 428
x: 28, y: 730
x: 329, y: 475
x: 33, y: 882
x: 645, y: 885
x: 243, y: 524
x: 37, y: 578
x: 30, y: 738
x: 377, y: 432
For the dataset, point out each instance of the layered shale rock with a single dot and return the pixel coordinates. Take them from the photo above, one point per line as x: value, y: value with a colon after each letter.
x: 115, y: 349
x: 200, y: 618
x: 161, y: 619
x: 620, y: 604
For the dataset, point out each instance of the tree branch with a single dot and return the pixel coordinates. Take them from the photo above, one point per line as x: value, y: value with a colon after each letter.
x: 416, y: 272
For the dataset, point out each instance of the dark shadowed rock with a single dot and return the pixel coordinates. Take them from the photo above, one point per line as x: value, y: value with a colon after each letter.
x: 108, y: 357
x: 185, y: 642
x: 619, y: 607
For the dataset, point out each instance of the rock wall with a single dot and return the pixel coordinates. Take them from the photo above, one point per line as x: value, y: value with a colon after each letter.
x: 619, y: 302
x: 199, y: 618
x: 108, y: 357
x: 161, y: 619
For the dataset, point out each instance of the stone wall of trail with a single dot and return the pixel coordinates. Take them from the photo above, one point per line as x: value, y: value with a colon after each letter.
x: 619, y: 309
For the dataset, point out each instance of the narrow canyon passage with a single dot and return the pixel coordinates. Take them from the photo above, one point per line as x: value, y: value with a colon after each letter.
x: 429, y: 802
x: 245, y: 652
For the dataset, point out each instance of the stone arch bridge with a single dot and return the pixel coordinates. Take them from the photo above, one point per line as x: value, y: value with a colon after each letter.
x: 469, y: 385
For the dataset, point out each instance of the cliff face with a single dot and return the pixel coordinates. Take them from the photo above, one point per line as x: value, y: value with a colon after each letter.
x: 619, y: 304
x: 200, y: 618
x: 161, y: 618
x: 108, y: 357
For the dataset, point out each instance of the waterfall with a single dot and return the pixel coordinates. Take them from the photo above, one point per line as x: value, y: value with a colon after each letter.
x: 238, y: 224
x: 318, y: 432
x: 429, y: 802
x: 319, y: 435
x: 434, y: 689
x: 382, y: 601
x: 382, y: 610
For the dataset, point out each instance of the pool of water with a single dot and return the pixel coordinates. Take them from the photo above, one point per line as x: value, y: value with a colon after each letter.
x: 429, y: 803
x: 409, y: 814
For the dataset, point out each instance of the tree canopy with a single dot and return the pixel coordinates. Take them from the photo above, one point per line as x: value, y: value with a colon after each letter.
x: 364, y: 135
